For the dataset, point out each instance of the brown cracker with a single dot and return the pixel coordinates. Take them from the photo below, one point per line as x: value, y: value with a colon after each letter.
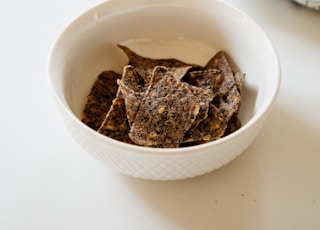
x: 228, y: 97
x: 100, y: 99
x: 144, y: 66
x: 132, y: 88
x: 115, y: 124
x: 207, y: 130
x: 166, y: 112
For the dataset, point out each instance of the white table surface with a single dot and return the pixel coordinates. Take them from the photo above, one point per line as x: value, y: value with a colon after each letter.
x: 48, y: 182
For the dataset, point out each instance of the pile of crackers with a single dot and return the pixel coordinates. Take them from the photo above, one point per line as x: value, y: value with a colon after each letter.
x: 166, y: 103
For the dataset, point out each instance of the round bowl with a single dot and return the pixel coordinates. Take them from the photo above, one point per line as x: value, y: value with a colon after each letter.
x: 185, y: 30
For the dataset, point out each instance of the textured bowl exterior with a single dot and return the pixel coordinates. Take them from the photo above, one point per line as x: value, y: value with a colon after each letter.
x: 86, y: 46
x: 154, y: 166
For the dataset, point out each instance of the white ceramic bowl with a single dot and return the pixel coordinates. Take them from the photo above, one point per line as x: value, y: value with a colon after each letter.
x: 187, y: 30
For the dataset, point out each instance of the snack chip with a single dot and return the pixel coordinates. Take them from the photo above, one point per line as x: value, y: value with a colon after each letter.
x: 166, y: 112
x: 228, y: 98
x: 207, y: 130
x: 166, y: 103
x: 208, y: 79
x: 144, y: 66
x: 132, y: 89
x: 100, y: 99
x: 115, y: 124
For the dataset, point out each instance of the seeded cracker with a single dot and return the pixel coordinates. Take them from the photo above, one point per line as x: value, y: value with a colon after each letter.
x: 132, y: 88
x: 228, y: 96
x: 144, y: 66
x: 115, y: 124
x: 100, y: 99
x: 207, y: 130
x: 166, y: 112
x: 206, y: 127
x: 205, y: 97
x: 239, y: 77
x: 235, y: 123
x: 208, y: 79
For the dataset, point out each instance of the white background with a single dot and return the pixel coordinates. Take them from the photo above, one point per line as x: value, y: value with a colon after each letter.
x: 48, y: 182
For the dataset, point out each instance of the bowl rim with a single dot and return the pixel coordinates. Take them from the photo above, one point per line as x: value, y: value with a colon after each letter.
x: 139, y: 150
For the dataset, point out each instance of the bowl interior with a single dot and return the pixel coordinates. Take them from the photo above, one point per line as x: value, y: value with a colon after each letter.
x: 161, y: 29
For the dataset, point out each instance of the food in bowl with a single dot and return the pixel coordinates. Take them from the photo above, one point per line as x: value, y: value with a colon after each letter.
x: 163, y: 29
x: 166, y: 103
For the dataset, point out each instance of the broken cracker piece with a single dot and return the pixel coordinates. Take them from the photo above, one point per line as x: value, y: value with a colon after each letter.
x: 144, y: 66
x: 207, y: 79
x: 100, y: 99
x: 132, y: 88
x: 233, y: 125
x: 228, y: 98
x: 115, y: 124
x: 166, y: 112
x: 207, y: 130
